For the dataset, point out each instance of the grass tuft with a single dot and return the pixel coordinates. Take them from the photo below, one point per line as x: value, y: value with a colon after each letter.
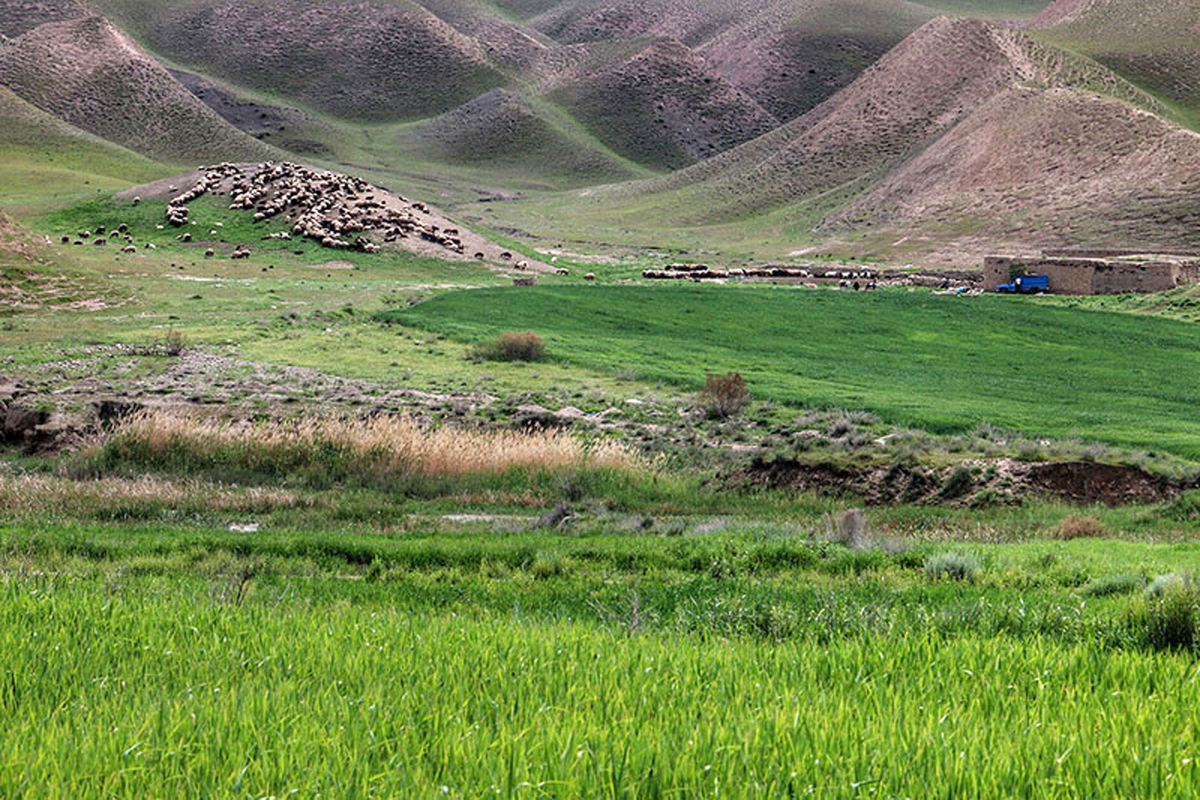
x: 951, y: 566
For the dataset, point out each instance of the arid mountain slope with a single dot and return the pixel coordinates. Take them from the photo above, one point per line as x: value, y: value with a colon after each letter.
x: 95, y: 77
x: 966, y: 128
x: 788, y: 55
x: 659, y: 104
x: 358, y: 59
x: 1039, y: 168
x: 19, y: 16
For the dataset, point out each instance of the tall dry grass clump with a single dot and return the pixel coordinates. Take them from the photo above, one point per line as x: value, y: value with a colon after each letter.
x: 374, y: 451
x: 116, y: 496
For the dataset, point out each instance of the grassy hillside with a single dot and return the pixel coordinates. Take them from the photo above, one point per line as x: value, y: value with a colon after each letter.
x: 521, y: 137
x: 45, y: 162
x: 940, y: 363
x: 1155, y: 45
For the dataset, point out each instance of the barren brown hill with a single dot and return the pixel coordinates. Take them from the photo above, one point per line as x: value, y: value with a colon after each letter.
x: 787, y: 54
x: 1154, y: 44
x: 659, y: 104
x: 965, y: 128
x: 95, y: 77
x: 1060, y: 11
x: 506, y: 43
x: 794, y: 59
x: 917, y: 92
x: 359, y: 59
x: 19, y: 16
x: 1038, y: 168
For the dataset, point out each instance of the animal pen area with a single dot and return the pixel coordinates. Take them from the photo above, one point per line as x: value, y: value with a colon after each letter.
x: 1083, y: 272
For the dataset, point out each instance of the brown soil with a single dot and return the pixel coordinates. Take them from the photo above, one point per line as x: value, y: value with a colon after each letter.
x: 999, y: 481
x: 661, y: 104
x: 19, y: 16
x: 789, y: 55
x: 259, y: 120
x: 1061, y: 11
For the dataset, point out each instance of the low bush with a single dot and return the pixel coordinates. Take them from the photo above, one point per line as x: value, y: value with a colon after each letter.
x: 958, y: 483
x: 1186, y: 507
x: 1168, y: 616
x: 173, y: 342
x: 724, y: 396
x: 1079, y: 527
x: 511, y: 346
x: 951, y: 566
x: 1111, y: 585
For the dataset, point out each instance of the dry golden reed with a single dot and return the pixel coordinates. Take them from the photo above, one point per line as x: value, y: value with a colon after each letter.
x: 385, y: 444
x: 53, y: 494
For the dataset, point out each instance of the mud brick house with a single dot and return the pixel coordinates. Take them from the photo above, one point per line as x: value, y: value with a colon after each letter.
x: 1097, y: 271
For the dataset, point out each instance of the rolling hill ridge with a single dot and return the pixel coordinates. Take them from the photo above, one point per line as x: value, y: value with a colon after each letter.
x: 967, y: 136
x: 91, y: 74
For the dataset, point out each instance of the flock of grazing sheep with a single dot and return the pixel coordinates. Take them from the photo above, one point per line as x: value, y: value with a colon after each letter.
x: 323, y: 206
x: 102, y: 236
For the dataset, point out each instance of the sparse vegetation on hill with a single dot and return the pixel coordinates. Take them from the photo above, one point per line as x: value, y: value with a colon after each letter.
x: 660, y: 105
x: 943, y: 94
x: 1155, y: 45
x: 19, y: 16
x: 95, y: 77
x: 529, y: 138
x: 368, y: 60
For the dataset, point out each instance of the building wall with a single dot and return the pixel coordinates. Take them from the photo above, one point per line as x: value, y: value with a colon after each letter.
x: 1092, y: 275
x: 1119, y: 277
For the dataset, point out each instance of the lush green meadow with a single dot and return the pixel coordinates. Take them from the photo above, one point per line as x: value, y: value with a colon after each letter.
x: 170, y: 662
x: 940, y: 363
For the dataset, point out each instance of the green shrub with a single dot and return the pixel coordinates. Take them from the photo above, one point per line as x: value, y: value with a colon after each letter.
x: 511, y: 346
x: 1111, y: 585
x: 951, y: 566
x: 1186, y: 507
x: 1168, y: 616
x: 551, y: 565
x: 724, y: 396
x: 1162, y: 583
x: 958, y: 483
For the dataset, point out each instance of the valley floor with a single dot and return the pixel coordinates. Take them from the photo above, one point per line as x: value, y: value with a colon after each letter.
x: 281, y: 526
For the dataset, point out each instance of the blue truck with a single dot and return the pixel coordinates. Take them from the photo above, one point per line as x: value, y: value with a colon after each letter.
x: 1026, y: 284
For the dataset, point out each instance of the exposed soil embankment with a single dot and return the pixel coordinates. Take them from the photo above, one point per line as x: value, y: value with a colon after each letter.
x: 971, y: 483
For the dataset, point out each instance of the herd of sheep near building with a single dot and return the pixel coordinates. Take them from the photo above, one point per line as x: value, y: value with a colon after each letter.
x: 323, y: 206
x: 703, y: 272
